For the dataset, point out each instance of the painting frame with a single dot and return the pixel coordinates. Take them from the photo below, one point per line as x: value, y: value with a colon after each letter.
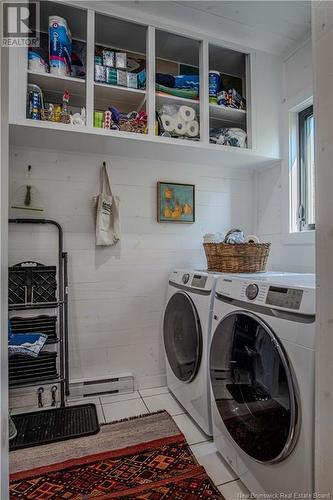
x: 190, y: 218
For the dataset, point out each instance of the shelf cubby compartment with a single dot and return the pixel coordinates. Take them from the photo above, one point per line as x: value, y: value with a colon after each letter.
x: 46, y: 324
x: 124, y: 98
x: 54, y: 85
x: 176, y: 55
x: 127, y: 38
x: 53, y: 88
x: 24, y: 370
x: 231, y: 65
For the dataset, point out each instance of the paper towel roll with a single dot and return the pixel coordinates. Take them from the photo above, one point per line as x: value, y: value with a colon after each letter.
x: 192, y: 128
x: 180, y: 127
x: 60, y: 46
x: 252, y: 239
x: 186, y: 113
x: 168, y: 123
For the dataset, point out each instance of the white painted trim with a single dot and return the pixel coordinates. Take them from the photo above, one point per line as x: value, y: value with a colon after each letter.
x: 204, y: 103
x: 4, y: 143
x: 150, y: 79
x: 289, y: 140
x: 71, y: 138
x: 322, y: 48
x: 90, y: 68
x: 250, y: 128
x: 18, y: 77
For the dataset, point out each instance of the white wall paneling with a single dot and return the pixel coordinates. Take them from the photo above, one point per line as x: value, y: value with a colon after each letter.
x: 117, y: 294
x: 322, y: 40
x: 298, y: 73
x: 290, y: 252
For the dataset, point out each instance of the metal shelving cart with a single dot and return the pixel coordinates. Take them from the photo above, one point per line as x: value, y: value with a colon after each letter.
x: 34, y: 286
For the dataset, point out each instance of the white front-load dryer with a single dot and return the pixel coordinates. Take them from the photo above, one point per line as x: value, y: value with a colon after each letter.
x: 186, y: 333
x: 262, y: 378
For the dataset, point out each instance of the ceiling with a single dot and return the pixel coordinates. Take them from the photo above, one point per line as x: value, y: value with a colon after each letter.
x: 278, y: 27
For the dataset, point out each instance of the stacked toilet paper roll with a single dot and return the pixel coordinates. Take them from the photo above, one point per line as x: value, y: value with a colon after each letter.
x: 168, y: 123
x: 180, y: 126
x: 179, y: 120
x: 192, y: 128
x: 186, y: 114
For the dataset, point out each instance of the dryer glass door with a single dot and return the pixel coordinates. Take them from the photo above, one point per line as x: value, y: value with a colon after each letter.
x: 253, y: 387
x: 182, y: 336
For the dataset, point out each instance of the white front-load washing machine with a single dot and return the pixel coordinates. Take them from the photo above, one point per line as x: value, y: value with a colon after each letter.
x: 262, y: 378
x: 186, y: 333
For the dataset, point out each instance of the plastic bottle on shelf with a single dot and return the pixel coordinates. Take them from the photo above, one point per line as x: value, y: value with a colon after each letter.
x: 214, y: 86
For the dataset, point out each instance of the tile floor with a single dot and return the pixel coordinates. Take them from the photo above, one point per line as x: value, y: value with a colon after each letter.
x: 116, y: 407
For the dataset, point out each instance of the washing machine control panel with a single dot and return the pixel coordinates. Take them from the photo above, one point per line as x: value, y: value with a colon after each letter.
x: 271, y: 291
x: 252, y: 292
x: 289, y: 298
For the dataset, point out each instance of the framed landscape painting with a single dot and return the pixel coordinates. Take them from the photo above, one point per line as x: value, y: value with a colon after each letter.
x: 175, y: 202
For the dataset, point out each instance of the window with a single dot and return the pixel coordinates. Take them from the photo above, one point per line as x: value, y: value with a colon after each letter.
x: 306, y: 170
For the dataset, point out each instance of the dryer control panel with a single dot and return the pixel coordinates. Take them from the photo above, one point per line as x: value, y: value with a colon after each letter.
x: 290, y: 298
x: 201, y: 281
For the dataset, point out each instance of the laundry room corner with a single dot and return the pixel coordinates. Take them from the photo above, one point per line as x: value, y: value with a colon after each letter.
x: 166, y: 249
x: 117, y: 294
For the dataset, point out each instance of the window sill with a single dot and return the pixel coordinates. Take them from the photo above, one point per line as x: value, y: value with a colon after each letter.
x: 300, y: 238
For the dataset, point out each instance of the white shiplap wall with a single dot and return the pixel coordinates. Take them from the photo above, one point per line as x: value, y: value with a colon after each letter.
x: 117, y: 294
x: 287, y: 254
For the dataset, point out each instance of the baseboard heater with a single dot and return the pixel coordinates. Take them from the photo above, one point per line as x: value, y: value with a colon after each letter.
x: 118, y: 384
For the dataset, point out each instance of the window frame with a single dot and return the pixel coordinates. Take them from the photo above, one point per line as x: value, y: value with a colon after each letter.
x: 303, y: 115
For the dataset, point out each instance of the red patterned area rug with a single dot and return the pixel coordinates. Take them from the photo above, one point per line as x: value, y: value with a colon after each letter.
x: 161, y: 469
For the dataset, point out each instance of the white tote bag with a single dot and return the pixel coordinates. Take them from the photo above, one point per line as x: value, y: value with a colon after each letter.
x: 107, y: 213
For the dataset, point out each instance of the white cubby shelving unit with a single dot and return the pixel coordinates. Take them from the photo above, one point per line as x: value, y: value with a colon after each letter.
x: 163, y: 50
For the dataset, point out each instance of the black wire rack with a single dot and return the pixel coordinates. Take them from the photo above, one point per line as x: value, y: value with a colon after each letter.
x: 33, y: 286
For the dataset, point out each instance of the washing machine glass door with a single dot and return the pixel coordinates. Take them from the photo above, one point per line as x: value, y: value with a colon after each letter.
x: 253, y: 387
x: 182, y: 336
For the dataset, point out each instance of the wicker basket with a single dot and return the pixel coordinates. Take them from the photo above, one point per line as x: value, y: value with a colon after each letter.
x: 241, y: 258
x: 138, y: 127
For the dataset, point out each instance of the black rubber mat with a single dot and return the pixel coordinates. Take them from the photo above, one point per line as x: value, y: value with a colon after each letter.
x: 57, y: 424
